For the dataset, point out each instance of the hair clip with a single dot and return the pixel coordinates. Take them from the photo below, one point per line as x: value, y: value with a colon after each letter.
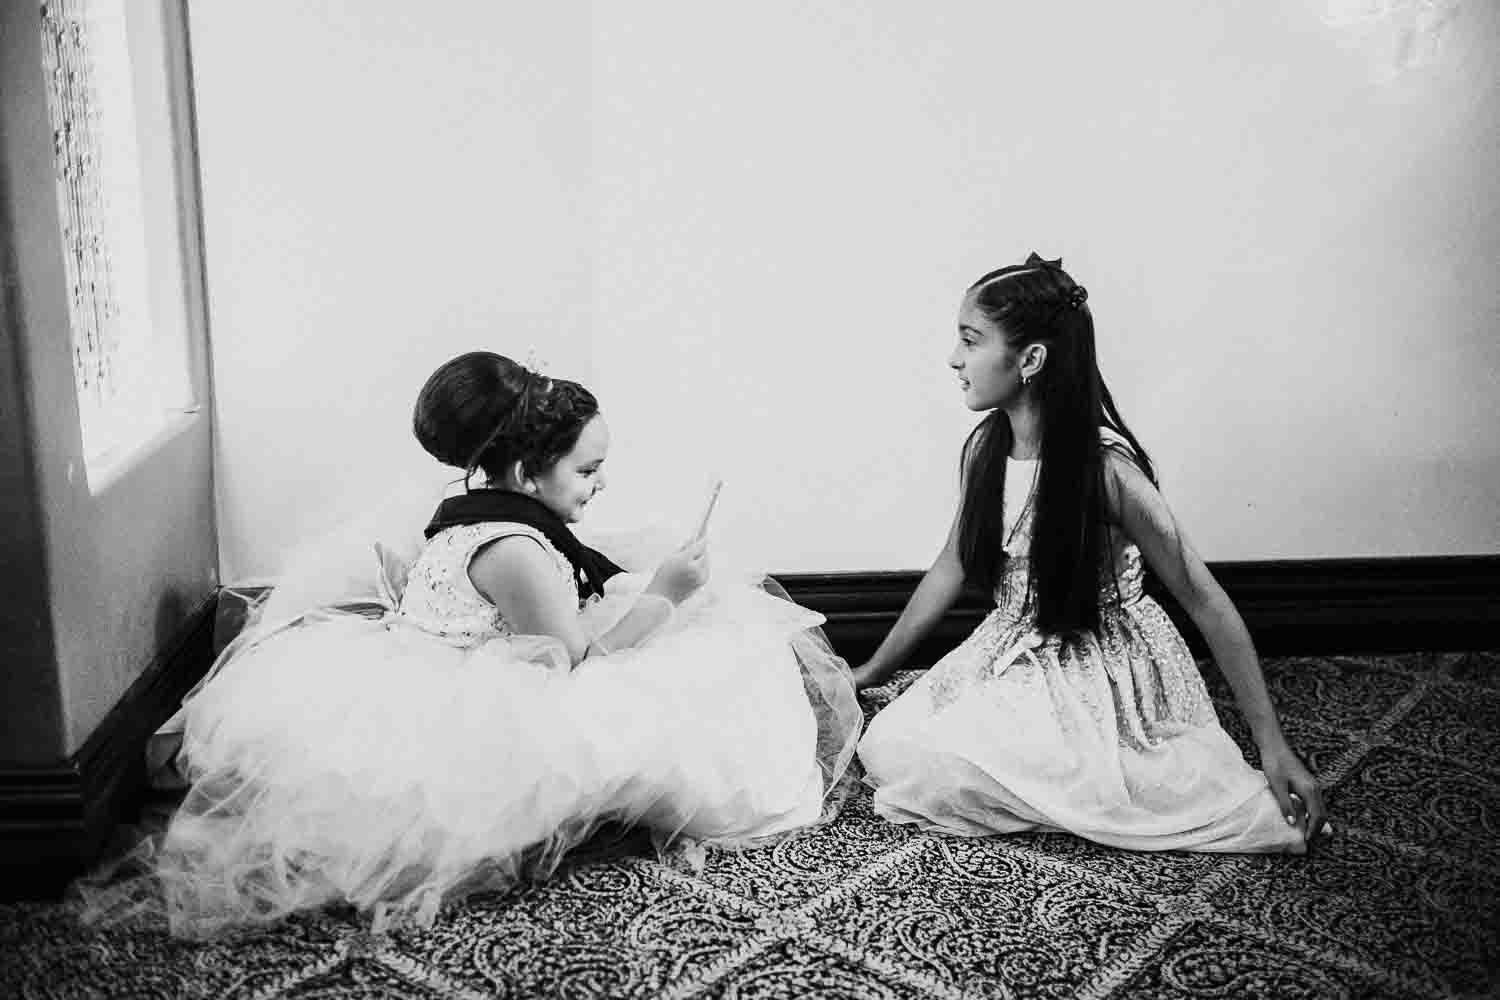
x: 1078, y: 296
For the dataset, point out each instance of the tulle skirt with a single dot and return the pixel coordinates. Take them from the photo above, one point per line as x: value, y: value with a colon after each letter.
x: 356, y: 759
x: 1111, y: 736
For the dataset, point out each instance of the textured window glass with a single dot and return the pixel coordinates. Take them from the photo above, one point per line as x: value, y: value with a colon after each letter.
x: 131, y: 378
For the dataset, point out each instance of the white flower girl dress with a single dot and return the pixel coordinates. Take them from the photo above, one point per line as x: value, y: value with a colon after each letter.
x: 400, y: 759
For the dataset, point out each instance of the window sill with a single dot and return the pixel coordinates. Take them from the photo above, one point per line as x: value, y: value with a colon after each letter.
x: 108, y: 468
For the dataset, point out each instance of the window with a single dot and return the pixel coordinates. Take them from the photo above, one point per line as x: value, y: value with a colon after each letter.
x: 130, y: 346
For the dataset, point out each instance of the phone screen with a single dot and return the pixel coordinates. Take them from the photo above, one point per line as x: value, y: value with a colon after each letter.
x: 713, y: 498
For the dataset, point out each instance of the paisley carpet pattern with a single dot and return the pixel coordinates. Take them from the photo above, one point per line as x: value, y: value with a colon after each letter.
x: 1403, y: 902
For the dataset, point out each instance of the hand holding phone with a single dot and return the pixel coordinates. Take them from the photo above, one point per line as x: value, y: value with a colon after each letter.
x: 713, y: 498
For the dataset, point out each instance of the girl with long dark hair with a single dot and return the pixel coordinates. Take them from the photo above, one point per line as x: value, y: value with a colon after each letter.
x: 1075, y: 705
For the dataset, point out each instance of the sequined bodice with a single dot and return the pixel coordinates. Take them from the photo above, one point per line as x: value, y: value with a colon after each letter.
x: 1011, y: 595
x: 1120, y: 576
x: 1129, y: 622
x: 439, y: 597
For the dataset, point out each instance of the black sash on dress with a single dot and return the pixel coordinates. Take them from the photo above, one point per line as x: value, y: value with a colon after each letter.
x: 484, y: 505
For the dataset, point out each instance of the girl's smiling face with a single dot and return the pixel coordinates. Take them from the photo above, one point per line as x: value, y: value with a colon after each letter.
x: 574, y: 479
x: 988, y: 367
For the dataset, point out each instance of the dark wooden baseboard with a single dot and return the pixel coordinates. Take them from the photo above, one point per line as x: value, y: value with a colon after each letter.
x: 1291, y: 606
x: 55, y: 820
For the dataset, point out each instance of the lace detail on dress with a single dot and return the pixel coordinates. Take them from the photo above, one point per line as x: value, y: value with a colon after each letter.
x: 978, y: 656
x: 1007, y: 638
x: 1121, y: 580
x: 1135, y: 638
x: 441, y: 599
x: 1108, y: 733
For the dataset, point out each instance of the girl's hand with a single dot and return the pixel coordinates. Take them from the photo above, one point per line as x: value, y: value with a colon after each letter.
x: 682, y: 573
x: 1296, y: 790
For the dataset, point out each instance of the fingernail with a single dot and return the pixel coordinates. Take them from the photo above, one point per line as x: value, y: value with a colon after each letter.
x: 1291, y: 821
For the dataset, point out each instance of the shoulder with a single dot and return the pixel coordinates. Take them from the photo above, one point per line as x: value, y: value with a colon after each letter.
x: 505, y: 561
x: 473, y: 544
x: 1118, y: 445
x: 517, y: 548
x: 471, y: 539
x: 1126, y: 484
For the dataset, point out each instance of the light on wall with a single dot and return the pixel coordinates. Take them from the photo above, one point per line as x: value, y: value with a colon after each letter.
x: 1398, y: 35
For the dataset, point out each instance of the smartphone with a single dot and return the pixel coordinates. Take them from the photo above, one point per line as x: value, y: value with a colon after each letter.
x: 713, y: 498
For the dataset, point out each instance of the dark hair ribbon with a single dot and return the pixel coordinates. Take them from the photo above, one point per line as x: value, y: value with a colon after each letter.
x: 1077, y: 295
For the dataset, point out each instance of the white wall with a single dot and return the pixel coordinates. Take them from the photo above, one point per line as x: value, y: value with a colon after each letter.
x: 1290, y: 239
x: 1292, y: 262
x: 387, y: 184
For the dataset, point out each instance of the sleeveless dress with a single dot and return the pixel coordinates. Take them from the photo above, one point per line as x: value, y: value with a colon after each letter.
x: 1111, y: 736
x: 394, y: 763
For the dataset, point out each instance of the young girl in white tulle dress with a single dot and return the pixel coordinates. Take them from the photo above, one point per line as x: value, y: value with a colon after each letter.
x: 1075, y: 705
x: 518, y: 691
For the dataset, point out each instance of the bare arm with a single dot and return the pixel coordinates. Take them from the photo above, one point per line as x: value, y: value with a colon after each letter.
x: 520, y: 579
x: 939, y: 589
x: 1147, y: 521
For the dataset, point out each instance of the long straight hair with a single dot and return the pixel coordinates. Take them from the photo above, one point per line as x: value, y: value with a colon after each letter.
x: 1038, y: 302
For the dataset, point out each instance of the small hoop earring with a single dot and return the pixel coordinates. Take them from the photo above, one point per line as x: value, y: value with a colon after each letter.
x: 1025, y: 379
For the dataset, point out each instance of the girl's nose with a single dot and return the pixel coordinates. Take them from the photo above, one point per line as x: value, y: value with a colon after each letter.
x: 954, y: 361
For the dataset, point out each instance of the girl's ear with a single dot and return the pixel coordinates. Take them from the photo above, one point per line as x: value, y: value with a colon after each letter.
x: 1033, y: 360
x: 516, y: 478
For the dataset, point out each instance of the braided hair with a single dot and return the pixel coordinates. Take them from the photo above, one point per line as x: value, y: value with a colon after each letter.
x: 482, y: 411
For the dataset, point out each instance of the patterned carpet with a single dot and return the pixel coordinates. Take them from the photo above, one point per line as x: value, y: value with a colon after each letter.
x: 1401, y: 903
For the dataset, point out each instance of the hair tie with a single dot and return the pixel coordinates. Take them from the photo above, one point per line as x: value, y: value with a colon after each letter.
x: 1077, y: 295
